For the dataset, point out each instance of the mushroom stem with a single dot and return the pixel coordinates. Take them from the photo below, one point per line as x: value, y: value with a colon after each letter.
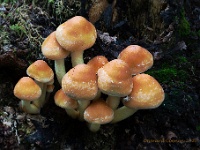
x: 42, y: 99
x: 77, y: 58
x: 94, y: 127
x: 27, y: 107
x: 60, y: 71
x: 122, y: 113
x: 72, y: 112
x: 82, y: 105
x: 113, y: 101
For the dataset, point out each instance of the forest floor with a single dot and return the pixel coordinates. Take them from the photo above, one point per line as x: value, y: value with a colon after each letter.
x: 174, y: 125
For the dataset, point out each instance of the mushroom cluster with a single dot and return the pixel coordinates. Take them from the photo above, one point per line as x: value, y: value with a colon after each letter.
x: 99, y: 91
x: 33, y: 90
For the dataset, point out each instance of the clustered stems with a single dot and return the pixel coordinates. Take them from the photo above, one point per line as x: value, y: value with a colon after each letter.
x: 81, y: 87
x: 28, y: 107
x: 41, y: 100
x: 123, y: 113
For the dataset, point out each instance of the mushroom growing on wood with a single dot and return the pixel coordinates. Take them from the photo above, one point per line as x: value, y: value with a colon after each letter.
x: 138, y: 58
x: 115, y: 80
x: 28, y: 91
x: 97, y: 113
x: 43, y: 74
x: 51, y: 49
x: 80, y: 83
x: 76, y: 35
x: 147, y: 93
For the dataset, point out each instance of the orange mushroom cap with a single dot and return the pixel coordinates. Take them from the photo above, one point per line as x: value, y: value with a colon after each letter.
x: 138, y: 58
x: 97, y: 62
x: 80, y: 83
x: 40, y: 71
x: 27, y: 89
x: 115, y: 79
x: 76, y: 34
x: 147, y: 93
x: 63, y: 101
x: 98, y: 112
x: 51, y: 49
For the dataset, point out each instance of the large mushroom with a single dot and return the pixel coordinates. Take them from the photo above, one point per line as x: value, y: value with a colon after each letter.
x: 43, y: 75
x: 138, y: 58
x: 97, y: 113
x: 80, y: 83
x: 51, y: 49
x: 76, y: 35
x: 115, y: 80
x: 147, y: 93
x: 28, y: 91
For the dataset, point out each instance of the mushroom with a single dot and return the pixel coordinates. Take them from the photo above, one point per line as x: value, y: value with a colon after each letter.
x: 51, y: 49
x: 138, y: 58
x: 97, y: 113
x: 147, y: 93
x: 65, y: 102
x: 96, y: 63
x: 43, y: 74
x: 115, y: 80
x: 28, y: 91
x: 76, y: 35
x: 80, y: 83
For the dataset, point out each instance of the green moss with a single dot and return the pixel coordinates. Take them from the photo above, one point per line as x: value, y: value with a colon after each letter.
x: 168, y: 73
x: 198, y: 33
x: 8, y: 1
x: 182, y: 59
x: 183, y: 25
x: 198, y: 128
x: 164, y: 75
x: 18, y: 29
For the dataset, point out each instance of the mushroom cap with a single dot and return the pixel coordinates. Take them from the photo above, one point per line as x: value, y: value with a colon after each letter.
x: 80, y: 83
x: 51, y: 49
x: 98, y: 112
x: 76, y: 34
x: 97, y: 62
x: 40, y: 71
x: 138, y: 58
x: 115, y: 79
x: 63, y: 101
x: 147, y: 93
x: 27, y: 89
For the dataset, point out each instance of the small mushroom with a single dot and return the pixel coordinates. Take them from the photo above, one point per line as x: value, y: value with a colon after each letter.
x: 43, y: 74
x: 65, y: 102
x: 28, y: 91
x: 138, y: 58
x: 80, y: 83
x: 76, y: 35
x: 96, y: 63
x: 115, y: 80
x: 97, y: 113
x: 51, y: 49
x: 147, y: 93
